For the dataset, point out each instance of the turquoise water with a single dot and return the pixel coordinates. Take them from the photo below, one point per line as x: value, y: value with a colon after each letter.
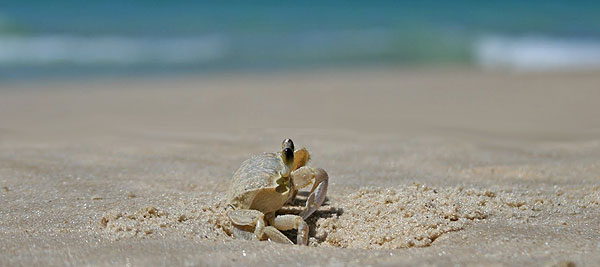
x: 66, y: 38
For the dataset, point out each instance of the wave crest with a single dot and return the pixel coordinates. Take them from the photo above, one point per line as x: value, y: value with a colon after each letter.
x: 50, y: 49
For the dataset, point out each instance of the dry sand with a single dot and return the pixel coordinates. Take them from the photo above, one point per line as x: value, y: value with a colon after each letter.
x: 427, y: 167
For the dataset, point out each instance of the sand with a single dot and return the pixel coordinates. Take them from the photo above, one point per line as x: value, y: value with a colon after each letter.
x: 427, y: 167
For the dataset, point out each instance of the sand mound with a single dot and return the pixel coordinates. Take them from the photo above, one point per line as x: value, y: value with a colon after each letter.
x: 371, y: 218
x: 415, y: 216
x: 191, y: 218
x: 403, y: 217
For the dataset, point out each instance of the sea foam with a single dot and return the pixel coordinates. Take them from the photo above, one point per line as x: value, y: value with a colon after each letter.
x: 536, y: 53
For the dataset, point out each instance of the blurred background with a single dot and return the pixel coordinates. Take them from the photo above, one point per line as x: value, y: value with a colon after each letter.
x: 69, y: 38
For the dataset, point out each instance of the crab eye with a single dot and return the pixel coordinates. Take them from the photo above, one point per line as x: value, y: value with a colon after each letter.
x: 287, y: 143
x: 288, y: 155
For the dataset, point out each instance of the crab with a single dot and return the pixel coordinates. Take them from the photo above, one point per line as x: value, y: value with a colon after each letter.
x: 264, y: 184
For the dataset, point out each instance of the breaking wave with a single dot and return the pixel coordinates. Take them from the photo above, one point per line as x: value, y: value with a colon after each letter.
x: 535, y: 53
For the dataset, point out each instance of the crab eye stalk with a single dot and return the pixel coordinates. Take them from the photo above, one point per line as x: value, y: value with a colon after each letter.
x: 287, y: 143
x: 287, y: 155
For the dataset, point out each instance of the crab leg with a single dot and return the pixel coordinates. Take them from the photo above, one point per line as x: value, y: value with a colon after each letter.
x: 303, y: 177
x: 248, y: 219
x: 288, y: 222
x: 276, y: 236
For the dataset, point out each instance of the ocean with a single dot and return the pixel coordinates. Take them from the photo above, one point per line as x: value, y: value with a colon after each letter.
x: 49, y: 39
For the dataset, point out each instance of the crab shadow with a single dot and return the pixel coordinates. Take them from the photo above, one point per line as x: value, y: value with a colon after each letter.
x: 325, y: 211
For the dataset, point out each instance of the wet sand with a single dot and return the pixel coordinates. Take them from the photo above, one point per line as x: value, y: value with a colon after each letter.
x: 427, y: 167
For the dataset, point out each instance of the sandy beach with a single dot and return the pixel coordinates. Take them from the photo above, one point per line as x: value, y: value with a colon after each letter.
x: 427, y: 167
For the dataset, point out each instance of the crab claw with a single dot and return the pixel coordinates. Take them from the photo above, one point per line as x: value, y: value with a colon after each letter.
x: 303, y: 177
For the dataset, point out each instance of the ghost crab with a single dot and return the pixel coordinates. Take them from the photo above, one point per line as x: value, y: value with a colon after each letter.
x: 266, y: 182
